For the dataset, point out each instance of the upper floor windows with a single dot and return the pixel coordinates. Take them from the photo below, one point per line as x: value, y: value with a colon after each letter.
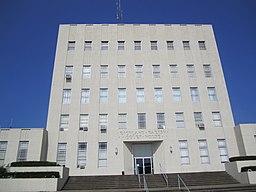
x: 223, y: 150
x: 103, y: 95
x: 104, y: 45
x: 194, y: 94
x: 216, y: 119
x: 137, y: 45
x: 176, y: 94
x: 88, y: 45
x: 203, y: 148
x: 85, y: 96
x: 186, y: 45
x: 66, y: 96
x: 156, y: 71
x: 3, y: 148
x: 64, y: 122
x: 68, y: 73
x: 180, y: 122
x: 160, y: 120
x: 102, y: 154
x: 158, y: 93
x: 81, y: 155
x: 184, y: 153
x: 120, y: 45
x: 71, y: 45
x: 139, y: 71
x: 191, y: 70
x: 22, y: 151
x: 153, y: 45
x: 207, y: 70
x: 122, y: 120
x: 140, y: 95
x: 121, y: 70
x: 174, y: 71
x: 212, y: 93
x: 86, y: 72
x: 141, y: 120
x: 61, y: 153
x: 170, y: 45
x: 122, y: 95
x: 202, y: 45
x: 103, y: 123
x: 84, y: 122
x: 104, y: 71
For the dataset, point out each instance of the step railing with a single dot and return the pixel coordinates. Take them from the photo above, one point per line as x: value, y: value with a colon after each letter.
x: 145, y: 184
x: 165, y: 176
x: 137, y: 172
x: 180, y: 180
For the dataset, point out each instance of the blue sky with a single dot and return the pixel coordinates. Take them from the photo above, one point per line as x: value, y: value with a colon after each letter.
x: 28, y: 36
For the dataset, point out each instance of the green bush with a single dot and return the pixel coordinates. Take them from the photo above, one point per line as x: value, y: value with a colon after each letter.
x: 30, y: 175
x: 2, y: 170
x: 33, y: 164
x: 249, y: 168
x: 242, y: 158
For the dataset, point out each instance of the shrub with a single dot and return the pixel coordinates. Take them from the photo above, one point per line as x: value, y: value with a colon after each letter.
x: 242, y: 158
x: 249, y: 168
x: 33, y: 164
x: 30, y: 175
x: 2, y: 170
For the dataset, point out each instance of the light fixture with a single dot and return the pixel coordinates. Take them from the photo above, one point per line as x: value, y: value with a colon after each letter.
x: 116, y: 150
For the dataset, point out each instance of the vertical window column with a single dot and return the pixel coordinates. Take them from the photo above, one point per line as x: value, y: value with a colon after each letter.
x: 174, y: 71
x: 64, y: 122
x: 203, y: 151
x: 160, y: 120
x: 223, y: 150
x: 194, y: 94
x: 176, y: 94
x: 102, y: 155
x: 85, y: 96
x: 103, y: 123
x: 122, y: 120
x: 142, y: 120
x: 22, y: 151
x: 66, y: 96
x: 122, y: 95
x: 103, y: 95
x: 81, y: 155
x: 61, y: 153
x: 121, y: 70
x: 140, y: 95
x: 158, y: 92
x: 139, y: 71
x: 84, y: 122
x: 184, y: 153
x: 180, y: 123
x: 86, y: 72
x: 156, y: 71
x: 216, y: 119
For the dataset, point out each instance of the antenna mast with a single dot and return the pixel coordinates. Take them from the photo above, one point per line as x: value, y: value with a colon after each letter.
x: 119, y: 11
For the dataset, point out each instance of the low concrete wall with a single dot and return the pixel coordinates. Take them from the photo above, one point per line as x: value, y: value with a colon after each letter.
x: 234, y: 169
x: 35, y: 184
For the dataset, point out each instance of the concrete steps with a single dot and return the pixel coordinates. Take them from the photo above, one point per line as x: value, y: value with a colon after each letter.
x: 198, y: 182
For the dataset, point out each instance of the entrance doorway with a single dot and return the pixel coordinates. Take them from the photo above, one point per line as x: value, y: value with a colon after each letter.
x: 144, y: 165
x: 143, y: 159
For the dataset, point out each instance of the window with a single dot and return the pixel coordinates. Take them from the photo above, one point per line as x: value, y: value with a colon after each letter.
x: 141, y: 120
x: 121, y: 71
x: 140, y: 95
x: 180, y: 123
x: 160, y: 120
x: 71, y: 45
x: 186, y: 45
x: 174, y: 71
x: 3, y: 147
x: 191, y: 71
x: 86, y: 72
x: 170, y: 45
x: 122, y: 95
x: 85, y: 96
x: 22, y: 151
x: 103, y: 95
x: 88, y: 45
x: 158, y: 92
x: 84, y: 122
x: 207, y: 71
x: 199, y: 120
x: 68, y: 73
x: 176, y: 94
x: 66, y: 97
x: 194, y: 94
x: 212, y: 94
x: 204, y: 156
x: 153, y: 45
x: 139, y: 71
x: 103, y: 71
x: 102, y: 158
x: 156, y: 71
x: 184, y: 153
x: 61, y: 153
x: 223, y: 150
x: 120, y: 45
x: 202, y: 45
x: 137, y: 45
x: 216, y: 119
x: 122, y: 120
x: 64, y: 122
x: 104, y: 45
x: 81, y: 155
x: 103, y: 123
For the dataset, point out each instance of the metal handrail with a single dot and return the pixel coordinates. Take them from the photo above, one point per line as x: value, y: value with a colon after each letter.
x: 165, y: 176
x: 181, y: 180
x: 138, y: 175
x: 145, y: 184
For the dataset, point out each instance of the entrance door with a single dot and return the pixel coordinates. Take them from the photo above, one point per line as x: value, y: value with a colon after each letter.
x: 144, y: 165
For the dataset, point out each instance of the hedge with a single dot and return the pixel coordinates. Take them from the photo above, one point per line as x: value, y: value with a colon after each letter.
x: 249, y: 168
x: 30, y: 175
x: 33, y: 164
x: 242, y: 158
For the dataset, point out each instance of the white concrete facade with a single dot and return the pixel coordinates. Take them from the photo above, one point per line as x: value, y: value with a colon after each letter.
x: 174, y: 61
x: 22, y: 144
x: 246, y: 139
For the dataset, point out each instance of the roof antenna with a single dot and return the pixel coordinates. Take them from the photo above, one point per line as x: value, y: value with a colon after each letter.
x: 10, y: 126
x: 119, y: 11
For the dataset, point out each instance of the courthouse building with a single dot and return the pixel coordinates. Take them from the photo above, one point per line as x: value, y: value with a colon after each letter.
x: 139, y: 97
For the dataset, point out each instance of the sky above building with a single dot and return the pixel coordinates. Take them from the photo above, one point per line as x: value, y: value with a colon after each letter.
x: 28, y: 36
